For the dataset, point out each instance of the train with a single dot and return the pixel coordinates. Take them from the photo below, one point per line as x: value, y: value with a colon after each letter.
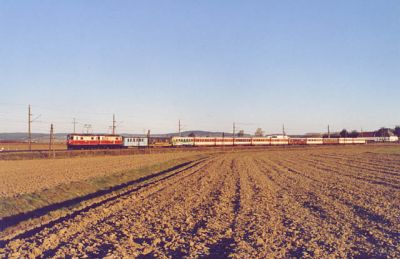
x: 106, y: 141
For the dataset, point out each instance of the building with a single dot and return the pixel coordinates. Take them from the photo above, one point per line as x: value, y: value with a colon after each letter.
x: 374, y: 136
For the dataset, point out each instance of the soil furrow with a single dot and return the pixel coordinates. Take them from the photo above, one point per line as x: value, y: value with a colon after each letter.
x: 380, y: 227
x: 278, y: 203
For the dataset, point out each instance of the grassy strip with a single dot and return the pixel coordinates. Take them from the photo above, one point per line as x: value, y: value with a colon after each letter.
x: 395, y: 149
x: 10, y: 206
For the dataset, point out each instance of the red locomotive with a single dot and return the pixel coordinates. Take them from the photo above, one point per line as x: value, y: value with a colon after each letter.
x: 92, y: 141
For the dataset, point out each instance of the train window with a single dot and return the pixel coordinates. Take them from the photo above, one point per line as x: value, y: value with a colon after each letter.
x: 81, y: 138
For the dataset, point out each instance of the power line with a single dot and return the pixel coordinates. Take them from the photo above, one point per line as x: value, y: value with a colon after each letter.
x: 87, y: 127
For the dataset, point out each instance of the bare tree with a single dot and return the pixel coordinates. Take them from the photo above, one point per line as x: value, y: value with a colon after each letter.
x: 344, y: 133
x: 354, y: 134
x: 259, y: 132
x: 397, y: 131
x: 383, y: 132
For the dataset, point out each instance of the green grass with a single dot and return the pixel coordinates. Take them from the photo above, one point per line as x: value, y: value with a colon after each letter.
x: 10, y: 206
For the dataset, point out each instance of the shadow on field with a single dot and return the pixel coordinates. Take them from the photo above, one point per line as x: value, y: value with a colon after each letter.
x: 10, y: 221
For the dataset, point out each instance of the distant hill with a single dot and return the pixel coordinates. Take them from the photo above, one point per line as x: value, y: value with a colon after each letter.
x: 36, y: 137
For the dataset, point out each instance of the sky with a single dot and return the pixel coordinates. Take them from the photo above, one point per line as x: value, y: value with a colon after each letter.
x: 304, y: 64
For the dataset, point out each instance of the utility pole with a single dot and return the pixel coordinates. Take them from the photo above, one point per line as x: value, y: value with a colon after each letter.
x: 283, y: 130
x: 113, y: 125
x: 223, y: 140
x: 29, y: 127
x: 179, y: 127
x: 74, y: 122
x: 51, y: 142
x: 148, y: 138
x: 329, y: 132
x: 234, y: 128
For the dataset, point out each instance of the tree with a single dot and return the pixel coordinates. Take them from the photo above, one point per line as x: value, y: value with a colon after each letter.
x: 192, y: 135
x: 240, y: 133
x: 259, y: 132
x: 344, y: 133
x: 354, y: 134
x: 382, y: 132
x: 397, y: 131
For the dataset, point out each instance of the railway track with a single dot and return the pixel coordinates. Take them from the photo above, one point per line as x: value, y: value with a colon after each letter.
x: 65, y: 153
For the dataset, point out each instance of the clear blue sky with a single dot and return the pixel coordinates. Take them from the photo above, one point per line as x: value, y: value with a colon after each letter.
x: 209, y: 63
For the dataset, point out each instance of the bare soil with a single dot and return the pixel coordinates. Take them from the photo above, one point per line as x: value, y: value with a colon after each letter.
x: 265, y: 204
x: 27, y: 176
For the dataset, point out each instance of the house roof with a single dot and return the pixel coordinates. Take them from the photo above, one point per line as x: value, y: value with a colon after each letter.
x: 367, y: 134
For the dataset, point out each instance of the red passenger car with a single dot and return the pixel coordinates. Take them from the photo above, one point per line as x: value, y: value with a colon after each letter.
x: 297, y: 141
x: 330, y: 141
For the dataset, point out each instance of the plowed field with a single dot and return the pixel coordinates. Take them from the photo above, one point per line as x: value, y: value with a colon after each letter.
x: 265, y: 204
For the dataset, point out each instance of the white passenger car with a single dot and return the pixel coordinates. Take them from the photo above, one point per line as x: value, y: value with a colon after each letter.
x: 182, y: 141
x: 260, y: 141
x: 345, y: 140
x: 136, y: 142
x: 314, y: 141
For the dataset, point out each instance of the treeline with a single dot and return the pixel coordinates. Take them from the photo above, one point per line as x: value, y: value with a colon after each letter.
x: 382, y: 132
